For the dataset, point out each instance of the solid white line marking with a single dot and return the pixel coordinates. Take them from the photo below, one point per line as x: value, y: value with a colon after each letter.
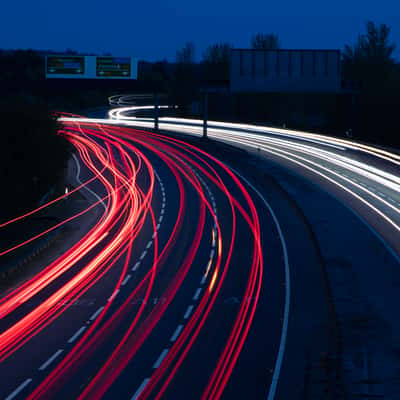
x: 21, y: 387
x: 86, y: 187
x: 111, y: 298
x: 50, y: 360
x: 126, y: 280
x: 143, y: 255
x: 160, y: 358
x: 140, y: 390
x: 197, y: 294
x: 149, y: 244
x: 177, y: 332
x: 282, y: 345
x: 136, y: 266
x: 95, y: 315
x: 188, y: 312
x: 73, y: 338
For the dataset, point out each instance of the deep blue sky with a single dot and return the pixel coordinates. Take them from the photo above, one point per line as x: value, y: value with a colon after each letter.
x: 155, y: 29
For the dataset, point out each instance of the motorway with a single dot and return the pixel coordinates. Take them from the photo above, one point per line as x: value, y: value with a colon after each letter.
x: 185, y: 286
x: 352, y: 171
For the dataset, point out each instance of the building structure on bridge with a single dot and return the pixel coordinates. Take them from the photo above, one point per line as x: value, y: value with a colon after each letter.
x: 283, y: 71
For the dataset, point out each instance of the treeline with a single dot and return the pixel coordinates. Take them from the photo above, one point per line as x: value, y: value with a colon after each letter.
x: 366, y: 108
x: 33, y: 156
x: 370, y: 62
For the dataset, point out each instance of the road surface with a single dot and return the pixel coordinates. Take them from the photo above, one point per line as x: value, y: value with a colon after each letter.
x: 200, y: 279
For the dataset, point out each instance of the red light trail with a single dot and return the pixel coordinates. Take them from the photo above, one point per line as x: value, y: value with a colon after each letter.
x: 120, y: 162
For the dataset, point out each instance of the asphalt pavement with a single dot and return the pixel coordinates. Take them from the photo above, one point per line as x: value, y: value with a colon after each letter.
x: 220, y: 288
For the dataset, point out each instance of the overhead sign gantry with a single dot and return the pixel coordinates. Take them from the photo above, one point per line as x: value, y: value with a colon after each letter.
x: 90, y: 67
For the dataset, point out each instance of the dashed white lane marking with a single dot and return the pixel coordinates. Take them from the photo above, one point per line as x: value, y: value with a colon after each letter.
x: 143, y: 255
x: 160, y: 358
x: 162, y: 212
x: 96, y: 314
x: 19, y: 389
x: 154, y: 235
x: 177, y: 332
x: 158, y: 226
x: 212, y: 252
x: 50, y: 360
x: 140, y: 390
x: 75, y: 336
x: 126, y: 280
x: 203, y: 280
x: 197, y: 294
x: 149, y: 244
x: 161, y: 218
x: 136, y: 266
x: 188, y: 312
x: 111, y: 298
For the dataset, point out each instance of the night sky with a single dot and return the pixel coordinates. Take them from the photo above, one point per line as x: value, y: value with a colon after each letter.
x: 154, y: 30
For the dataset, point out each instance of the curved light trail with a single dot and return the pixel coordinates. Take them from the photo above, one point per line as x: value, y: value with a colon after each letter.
x: 368, y: 173
x: 171, y: 221
x: 120, y: 168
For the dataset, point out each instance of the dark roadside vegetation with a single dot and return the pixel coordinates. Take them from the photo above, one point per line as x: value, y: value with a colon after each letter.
x: 366, y: 108
x: 34, y: 156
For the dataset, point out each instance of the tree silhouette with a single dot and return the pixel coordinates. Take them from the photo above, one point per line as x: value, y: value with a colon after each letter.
x: 182, y: 84
x: 265, y: 41
x: 373, y: 46
x: 218, y: 53
x: 186, y: 55
x: 370, y: 61
x: 216, y: 61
